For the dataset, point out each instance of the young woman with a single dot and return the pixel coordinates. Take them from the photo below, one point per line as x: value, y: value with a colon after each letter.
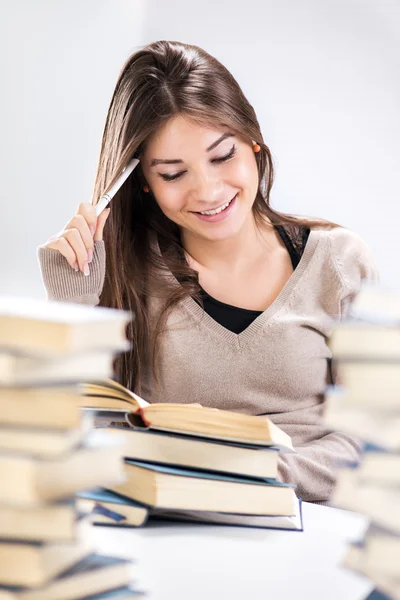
x: 233, y: 301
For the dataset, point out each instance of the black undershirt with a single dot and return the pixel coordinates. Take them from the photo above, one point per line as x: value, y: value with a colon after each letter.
x: 238, y: 319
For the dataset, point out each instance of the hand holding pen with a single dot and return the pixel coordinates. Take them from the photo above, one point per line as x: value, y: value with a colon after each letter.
x: 76, y: 240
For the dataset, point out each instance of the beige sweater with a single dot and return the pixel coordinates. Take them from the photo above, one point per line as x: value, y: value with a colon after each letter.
x: 276, y: 367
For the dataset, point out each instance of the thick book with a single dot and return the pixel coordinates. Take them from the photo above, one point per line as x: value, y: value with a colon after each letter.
x: 289, y: 523
x: 50, y: 328
x: 356, y: 560
x: 94, y: 575
x: 381, y: 551
x: 377, y: 303
x: 33, y: 481
x: 381, y: 504
x: 362, y: 340
x: 58, y: 521
x: 385, y: 403
x: 370, y: 379
x: 197, y: 453
x: 44, y: 407
x: 29, y: 371
x: 186, y: 418
x: 112, y: 510
x: 44, y: 443
x: 370, y: 425
x: 183, y: 489
x: 381, y: 468
x: 35, y: 563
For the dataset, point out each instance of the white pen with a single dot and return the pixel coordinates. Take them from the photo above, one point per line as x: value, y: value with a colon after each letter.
x: 104, y: 200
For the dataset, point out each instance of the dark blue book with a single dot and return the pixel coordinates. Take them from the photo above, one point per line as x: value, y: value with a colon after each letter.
x: 377, y: 595
x: 112, y: 510
x: 109, y: 509
x: 124, y: 593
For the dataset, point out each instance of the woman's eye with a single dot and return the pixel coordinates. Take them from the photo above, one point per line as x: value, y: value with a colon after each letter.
x: 170, y: 177
x: 176, y: 176
x: 230, y: 154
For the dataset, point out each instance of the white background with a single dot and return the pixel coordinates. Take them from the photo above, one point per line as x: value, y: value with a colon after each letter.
x: 323, y: 76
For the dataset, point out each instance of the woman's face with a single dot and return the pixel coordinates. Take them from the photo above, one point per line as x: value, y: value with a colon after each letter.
x: 203, y: 178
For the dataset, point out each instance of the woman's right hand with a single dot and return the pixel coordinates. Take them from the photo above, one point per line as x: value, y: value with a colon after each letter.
x: 76, y: 240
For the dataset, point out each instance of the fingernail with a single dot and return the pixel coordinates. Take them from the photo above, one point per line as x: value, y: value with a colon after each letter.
x: 76, y: 267
x: 92, y: 229
x: 86, y: 270
x: 90, y: 255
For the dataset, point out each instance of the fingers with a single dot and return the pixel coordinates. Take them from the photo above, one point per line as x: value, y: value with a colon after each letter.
x: 88, y: 212
x: 82, y: 253
x: 79, y: 223
x: 63, y: 247
x: 76, y: 240
x: 101, y: 221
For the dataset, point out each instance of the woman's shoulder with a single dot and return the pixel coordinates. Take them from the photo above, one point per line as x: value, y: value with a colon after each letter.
x: 349, y: 254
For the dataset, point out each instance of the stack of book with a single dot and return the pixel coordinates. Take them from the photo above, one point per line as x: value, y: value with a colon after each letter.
x: 366, y: 405
x: 189, y: 462
x: 49, y: 451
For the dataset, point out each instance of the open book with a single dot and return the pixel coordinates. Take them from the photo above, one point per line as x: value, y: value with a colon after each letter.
x: 186, y: 419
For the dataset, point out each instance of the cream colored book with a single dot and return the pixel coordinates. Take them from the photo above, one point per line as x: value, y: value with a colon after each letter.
x: 381, y: 504
x: 46, y: 522
x: 382, y: 552
x: 94, y: 574
x: 362, y: 340
x: 32, y: 481
x: 377, y: 303
x: 186, y: 419
x: 370, y: 425
x: 43, y: 407
x: 386, y: 401
x: 380, y: 468
x: 371, y: 381
x: 165, y: 487
x: 44, y: 443
x: 356, y: 560
x: 55, y: 328
x: 34, y: 564
x: 196, y: 453
x: 18, y: 370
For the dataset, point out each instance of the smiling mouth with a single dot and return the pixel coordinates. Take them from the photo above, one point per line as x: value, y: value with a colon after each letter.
x: 216, y: 211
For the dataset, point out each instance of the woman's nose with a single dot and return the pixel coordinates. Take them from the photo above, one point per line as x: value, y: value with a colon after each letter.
x: 206, y: 188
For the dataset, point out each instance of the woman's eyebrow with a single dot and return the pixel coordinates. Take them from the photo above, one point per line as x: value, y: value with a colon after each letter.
x: 175, y: 161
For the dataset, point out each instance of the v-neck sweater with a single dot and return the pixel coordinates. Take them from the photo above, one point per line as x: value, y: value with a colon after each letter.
x: 278, y: 366
x: 237, y: 319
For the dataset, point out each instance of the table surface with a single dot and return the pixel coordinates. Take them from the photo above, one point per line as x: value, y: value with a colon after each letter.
x: 183, y: 561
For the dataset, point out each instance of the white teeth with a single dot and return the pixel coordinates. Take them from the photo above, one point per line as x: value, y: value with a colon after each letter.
x: 217, y: 210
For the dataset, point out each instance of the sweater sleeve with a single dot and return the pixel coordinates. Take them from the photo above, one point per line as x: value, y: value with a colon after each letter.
x: 65, y: 284
x: 313, y: 468
x: 353, y: 262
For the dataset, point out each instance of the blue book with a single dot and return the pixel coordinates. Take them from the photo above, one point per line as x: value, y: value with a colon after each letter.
x: 112, y: 510
x: 109, y: 509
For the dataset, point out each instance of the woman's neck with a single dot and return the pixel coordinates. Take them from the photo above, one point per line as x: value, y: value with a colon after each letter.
x: 235, y: 253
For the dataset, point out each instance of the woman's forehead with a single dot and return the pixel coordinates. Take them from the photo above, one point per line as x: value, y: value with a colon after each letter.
x: 182, y: 130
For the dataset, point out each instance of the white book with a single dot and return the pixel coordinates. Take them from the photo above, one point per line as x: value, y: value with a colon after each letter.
x: 47, y: 327
x: 371, y: 426
x: 380, y: 504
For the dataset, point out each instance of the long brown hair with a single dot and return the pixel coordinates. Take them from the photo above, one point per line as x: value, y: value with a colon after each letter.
x: 157, y: 82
